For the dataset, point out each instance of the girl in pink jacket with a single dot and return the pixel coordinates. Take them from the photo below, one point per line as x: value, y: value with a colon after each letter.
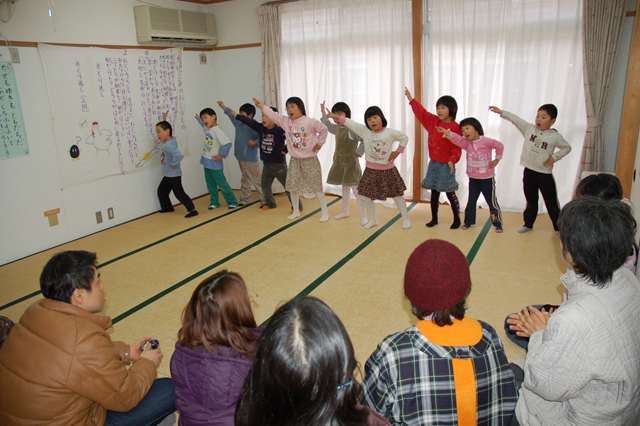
x: 480, y: 168
x: 305, y: 137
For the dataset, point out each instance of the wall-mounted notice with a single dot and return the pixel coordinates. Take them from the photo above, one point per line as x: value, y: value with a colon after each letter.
x: 107, y: 102
x: 13, y: 137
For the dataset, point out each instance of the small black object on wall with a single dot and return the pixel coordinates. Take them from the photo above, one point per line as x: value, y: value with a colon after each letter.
x: 74, y: 151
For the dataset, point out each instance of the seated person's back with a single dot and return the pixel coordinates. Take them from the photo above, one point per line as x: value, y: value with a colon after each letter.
x: 447, y: 369
x: 214, y: 352
x: 59, y: 366
x: 583, y: 361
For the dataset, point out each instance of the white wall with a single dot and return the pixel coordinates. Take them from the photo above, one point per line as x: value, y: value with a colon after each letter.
x: 31, y: 184
x: 611, y: 123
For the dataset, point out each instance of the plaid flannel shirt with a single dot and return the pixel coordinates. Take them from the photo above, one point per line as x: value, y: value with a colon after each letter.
x: 410, y: 380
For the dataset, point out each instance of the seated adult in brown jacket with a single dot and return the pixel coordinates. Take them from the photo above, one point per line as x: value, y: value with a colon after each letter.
x: 59, y: 366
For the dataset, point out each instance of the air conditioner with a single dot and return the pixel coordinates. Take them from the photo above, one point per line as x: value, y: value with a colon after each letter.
x: 158, y: 25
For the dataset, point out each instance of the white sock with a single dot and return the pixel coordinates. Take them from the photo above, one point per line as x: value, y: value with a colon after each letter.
x: 402, y: 206
x: 371, y: 212
x: 295, y: 202
x: 324, y: 215
x: 362, y: 208
x: 346, y: 195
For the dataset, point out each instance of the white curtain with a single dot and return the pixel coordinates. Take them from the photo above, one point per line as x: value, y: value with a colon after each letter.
x: 518, y: 55
x: 269, y: 19
x: 601, y: 31
x: 356, y: 51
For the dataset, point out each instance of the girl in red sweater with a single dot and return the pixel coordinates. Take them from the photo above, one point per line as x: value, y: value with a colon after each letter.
x: 443, y: 155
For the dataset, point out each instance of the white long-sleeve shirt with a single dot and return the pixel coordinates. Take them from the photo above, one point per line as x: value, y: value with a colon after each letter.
x: 538, y: 144
x: 378, y: 145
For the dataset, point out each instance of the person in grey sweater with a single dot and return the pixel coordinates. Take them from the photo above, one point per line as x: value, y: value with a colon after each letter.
x: 583, y: 360
x: 542, y: 148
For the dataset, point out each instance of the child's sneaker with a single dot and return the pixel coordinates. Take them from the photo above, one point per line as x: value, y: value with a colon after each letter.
x: 465, y: 227
x: 242, y: 203
x: 233, y: 206
x: 524, y: 230
x: 499, y: 229
x: 212, y: 207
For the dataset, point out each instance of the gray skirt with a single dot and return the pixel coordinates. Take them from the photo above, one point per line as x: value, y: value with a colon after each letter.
x: 304, y: 175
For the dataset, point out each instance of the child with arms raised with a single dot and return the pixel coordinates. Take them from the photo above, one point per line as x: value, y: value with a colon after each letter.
x: 542, y: 148
x: 480, y: 168
x: 381, y: 179
x: 273, y: 153
x: 345, y: 170
x: 443, y: 155
x: 305, y: 137
x: 245, y: 149
x: 215, y: 148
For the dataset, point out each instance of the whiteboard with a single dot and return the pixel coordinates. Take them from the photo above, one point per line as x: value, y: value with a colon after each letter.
x: 106, y: 103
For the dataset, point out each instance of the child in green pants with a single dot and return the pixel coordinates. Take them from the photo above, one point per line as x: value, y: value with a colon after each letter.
x: 215, y: 148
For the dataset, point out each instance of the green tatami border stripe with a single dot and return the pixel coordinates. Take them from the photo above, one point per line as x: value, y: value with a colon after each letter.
x: 139, y: 249
x: 353, y: 253
x: 214, y: 265
x: 475, y: 248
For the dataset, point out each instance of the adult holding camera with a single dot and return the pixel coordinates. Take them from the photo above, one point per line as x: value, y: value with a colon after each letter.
x: 59, y: 365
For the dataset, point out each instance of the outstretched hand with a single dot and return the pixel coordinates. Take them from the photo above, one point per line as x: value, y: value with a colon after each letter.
x: 495, y: 109
x: 323, y: 109
x: 221, y: 104
x: 258, y: 102
x: 408, y: 94
x: 445, y: 132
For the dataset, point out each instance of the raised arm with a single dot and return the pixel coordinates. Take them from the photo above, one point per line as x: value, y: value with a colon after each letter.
x: 280, y: 120
x: 455, y: 138
x: 522, y: 125
x: 428, y: 120
x: 331, y: 127
x: 359, y: 129
x: 201, y: 123
x: 254, y: 124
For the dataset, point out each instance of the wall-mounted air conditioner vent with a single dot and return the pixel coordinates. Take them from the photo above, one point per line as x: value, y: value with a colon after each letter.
x: 177, y: 27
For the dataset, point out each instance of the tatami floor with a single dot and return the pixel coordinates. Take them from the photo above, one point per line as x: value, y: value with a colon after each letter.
x: 151, y: 265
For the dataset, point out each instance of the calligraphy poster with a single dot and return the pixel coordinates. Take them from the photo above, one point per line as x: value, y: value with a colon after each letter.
x: 106, y: 102
x: 13, y: 137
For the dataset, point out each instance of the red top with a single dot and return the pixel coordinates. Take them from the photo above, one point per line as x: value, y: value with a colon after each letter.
x: 440, y: 148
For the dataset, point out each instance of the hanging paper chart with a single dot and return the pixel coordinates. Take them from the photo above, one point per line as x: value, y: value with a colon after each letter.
x: 13, y: 137
x: 107, y: 102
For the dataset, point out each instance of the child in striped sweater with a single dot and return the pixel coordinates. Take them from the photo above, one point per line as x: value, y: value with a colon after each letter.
x: 480, y: 168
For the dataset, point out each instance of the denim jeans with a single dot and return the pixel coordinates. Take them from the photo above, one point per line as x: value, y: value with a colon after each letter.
x: 157, y: 404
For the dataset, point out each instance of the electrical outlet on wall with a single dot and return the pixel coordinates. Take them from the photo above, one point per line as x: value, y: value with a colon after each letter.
x: 99, y: 217
x: 110, y: 213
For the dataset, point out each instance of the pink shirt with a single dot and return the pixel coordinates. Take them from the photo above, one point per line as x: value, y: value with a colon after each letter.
x: 303, y: 133
x: 479, y: 154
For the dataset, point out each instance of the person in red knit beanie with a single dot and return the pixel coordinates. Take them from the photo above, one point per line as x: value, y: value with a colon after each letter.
x: 447, y: 366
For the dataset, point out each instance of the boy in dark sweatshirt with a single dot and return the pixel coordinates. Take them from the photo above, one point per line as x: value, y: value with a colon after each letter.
x: 273, y: 153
